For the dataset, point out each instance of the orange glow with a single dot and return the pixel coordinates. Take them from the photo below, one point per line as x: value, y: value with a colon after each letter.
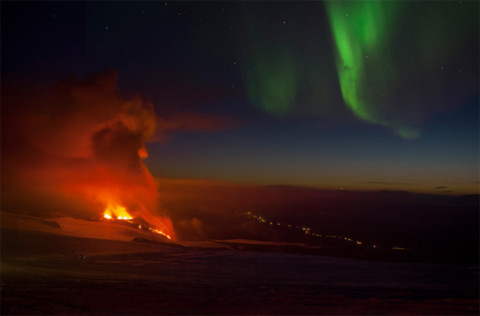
x: 158, y: 231
x: 120, y: 213
x: 142, y: 153
x: 107, y: 215
x: 88, y: 160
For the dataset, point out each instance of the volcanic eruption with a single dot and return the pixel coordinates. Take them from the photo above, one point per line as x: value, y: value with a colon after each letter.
x: 76, y: 148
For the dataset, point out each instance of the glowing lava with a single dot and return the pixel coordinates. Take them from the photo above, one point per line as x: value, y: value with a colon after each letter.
x: 118, y: 211
x: 158, y: 231
x: 107, y: 215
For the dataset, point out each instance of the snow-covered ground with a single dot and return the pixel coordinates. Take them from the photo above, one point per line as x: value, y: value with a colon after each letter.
x: 51, y: 270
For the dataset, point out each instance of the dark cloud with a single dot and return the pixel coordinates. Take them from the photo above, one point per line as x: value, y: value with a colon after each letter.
x: 388, y: 183
x: 175, y: 122
x: 440, y: 187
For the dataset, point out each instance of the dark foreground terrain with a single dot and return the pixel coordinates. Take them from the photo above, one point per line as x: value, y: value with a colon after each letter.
x: 44, y: 273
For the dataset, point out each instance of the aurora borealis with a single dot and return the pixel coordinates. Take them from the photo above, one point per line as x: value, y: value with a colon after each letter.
x: 366, y: 34
x: 370, y: 68
x: 271, y: 81
x: 361, y: 31
x: 364, y: 95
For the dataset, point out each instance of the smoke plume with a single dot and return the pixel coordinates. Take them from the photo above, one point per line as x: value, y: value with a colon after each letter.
x: 77, y: 148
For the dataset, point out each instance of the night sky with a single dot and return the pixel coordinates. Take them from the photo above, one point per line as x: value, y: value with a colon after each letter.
x: 354, y: 95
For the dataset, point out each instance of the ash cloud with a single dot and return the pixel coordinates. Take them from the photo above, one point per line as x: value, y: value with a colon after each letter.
x: 76, y: 147
x: 175, y: 122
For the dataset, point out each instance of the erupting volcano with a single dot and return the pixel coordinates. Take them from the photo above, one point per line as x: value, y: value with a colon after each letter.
x: 77, y: 149
x: 118, y: 212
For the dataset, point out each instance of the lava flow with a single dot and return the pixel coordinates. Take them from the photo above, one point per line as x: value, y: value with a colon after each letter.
x: 120, y: 213
x: 83, y: 162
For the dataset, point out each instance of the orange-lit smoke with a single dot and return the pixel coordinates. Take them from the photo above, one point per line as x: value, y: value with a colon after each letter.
x: 76, y: 148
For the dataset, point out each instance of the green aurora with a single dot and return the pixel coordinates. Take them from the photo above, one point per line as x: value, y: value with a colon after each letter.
x: 271, y: 81
x: 361, y: 34
x: 287, y: 67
